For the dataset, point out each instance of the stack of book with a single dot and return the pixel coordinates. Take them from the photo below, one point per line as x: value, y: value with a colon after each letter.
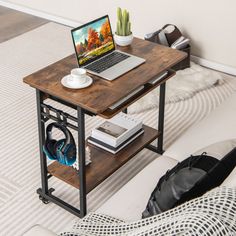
x: 115, y: 134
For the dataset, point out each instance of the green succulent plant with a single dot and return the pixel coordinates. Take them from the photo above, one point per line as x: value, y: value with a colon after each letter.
x: 123, y: 26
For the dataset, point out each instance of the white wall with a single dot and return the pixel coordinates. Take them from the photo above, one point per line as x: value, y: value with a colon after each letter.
x: 209, y: 23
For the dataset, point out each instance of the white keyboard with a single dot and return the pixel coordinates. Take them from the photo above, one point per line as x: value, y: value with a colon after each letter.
x: 153, y: 81
x: 117, y: 104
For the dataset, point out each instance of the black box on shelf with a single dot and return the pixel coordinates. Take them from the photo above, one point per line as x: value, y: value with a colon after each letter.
x: 167, y: 39
x: 184, y: 63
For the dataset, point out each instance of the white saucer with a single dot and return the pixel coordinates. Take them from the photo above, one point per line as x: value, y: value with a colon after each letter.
x: 87, y: 83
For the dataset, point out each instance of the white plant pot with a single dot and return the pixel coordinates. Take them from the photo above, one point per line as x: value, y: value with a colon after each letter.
x: 123, y: 40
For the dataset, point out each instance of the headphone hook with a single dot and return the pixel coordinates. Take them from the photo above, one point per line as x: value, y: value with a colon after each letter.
x: 62, y: 118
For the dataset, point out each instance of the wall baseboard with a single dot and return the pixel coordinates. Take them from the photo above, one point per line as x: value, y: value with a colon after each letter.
x: 61, y: 20
x: 41, y: 14
x: 214, y: 65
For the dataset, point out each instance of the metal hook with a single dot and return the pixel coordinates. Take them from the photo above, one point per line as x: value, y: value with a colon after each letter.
x: 64, y: 118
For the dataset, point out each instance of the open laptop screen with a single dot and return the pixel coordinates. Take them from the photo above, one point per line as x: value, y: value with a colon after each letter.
x: 93, y: 40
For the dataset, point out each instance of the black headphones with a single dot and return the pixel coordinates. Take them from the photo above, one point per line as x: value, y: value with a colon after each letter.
x: 63, y: 150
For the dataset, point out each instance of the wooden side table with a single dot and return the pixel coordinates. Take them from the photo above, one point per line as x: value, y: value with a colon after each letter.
x: 96, y: 100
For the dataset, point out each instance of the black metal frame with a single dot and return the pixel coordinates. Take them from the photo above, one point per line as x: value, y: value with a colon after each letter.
x: 45, y: 194
x: 161, y: 116
x: 44, y: 114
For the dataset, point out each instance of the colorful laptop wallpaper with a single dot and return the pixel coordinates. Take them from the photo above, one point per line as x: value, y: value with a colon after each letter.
x: 93, y: 40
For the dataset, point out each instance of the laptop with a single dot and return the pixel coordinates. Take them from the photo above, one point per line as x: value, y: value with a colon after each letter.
x: 96, y: 52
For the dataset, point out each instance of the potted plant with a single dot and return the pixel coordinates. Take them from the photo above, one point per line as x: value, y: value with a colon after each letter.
x: 123, y: 35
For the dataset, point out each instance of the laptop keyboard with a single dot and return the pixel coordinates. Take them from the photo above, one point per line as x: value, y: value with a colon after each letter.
x: 106, y: 62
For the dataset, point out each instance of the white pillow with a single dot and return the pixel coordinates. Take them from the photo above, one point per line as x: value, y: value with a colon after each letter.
x: 230, y: 181
x: 219, y: 149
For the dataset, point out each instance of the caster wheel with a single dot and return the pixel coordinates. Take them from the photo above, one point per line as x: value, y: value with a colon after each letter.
x: 45, y: 201
x: 41, y: 195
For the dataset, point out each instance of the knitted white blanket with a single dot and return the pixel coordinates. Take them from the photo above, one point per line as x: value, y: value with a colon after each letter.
x: 211, y: 214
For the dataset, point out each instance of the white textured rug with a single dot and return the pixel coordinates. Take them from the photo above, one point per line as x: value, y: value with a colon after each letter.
x: 19, y: 158
x: 184, y: 85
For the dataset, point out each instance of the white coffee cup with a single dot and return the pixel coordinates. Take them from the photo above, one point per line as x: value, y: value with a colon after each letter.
x: 77, y: 77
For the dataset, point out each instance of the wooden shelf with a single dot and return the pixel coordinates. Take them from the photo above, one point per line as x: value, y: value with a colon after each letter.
x: 103, y: 163
x: 147, y: 88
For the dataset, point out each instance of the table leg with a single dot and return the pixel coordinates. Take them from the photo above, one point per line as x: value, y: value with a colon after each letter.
x: 125, y: 110
x: 41, y: 131
x: 161, y: 118
x: 81, y: 157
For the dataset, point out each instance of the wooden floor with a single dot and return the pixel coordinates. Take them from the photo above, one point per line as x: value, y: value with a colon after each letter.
x: 14, y: 23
